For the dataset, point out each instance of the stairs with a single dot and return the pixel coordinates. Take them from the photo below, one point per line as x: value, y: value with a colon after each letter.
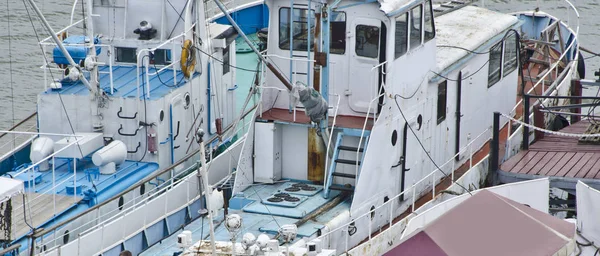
x: 332, y: 173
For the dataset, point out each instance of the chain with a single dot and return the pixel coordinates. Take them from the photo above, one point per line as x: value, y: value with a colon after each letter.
x: 596, y: 135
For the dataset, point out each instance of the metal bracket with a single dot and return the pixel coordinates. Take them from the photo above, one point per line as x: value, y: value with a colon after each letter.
x: 136, y: 148
x: 125, y: 117
x: 127, y: 134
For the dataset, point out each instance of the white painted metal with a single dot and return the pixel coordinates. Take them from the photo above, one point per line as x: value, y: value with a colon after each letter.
x: 41, y: 148
x: 9, y: 188
x: 267, y: 150
x: 85, y: 145
x: 363, y: 87
x: 115, y: 152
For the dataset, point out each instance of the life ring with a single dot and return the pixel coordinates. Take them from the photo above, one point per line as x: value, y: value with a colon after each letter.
x: 188, y: 59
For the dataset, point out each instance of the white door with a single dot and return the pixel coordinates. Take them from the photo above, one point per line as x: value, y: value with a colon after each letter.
x: 365, y: 37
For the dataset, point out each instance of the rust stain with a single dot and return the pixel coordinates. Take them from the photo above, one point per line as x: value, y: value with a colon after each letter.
x: 316, y: 156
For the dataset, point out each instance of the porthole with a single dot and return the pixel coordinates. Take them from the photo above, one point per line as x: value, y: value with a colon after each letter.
x: 66, y: 237
x: 142, y: 189
x: 121, y: 202
x: 394, y: 137
x: 161, y: 115
x: 385, y: 199
x: 419, y: 121
x: 187, y: 99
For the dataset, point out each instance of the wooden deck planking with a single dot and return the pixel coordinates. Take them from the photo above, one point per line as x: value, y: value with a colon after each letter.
x: 588, y: 166
x: 564, y: 159
x: 532, y: 163
x: 511, y: 162
x: 562, y: 172
x: 544, y: 163
x: 577, y: 167
x: 38, y: 211
x: 558, y: 156
x: 283, y: 115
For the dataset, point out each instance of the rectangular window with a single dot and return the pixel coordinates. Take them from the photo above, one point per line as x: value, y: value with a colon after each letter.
x: 415, y: 29
x: 401, y: 35
x: 337, y: 32
x: 510, y: 55
x: 127, y: 55
x: 495, y: 64
x: 162, y: 57
x: 226, y: 60
x: 300, y: 28
x: 441, y: 101
x: 337, y: 29
x: 429, y: 28
x: 367, y: 41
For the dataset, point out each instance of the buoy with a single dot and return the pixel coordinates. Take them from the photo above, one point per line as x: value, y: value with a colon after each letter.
x: 188, y: 59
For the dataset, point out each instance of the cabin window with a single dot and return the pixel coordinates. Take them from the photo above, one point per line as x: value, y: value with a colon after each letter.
x: 441, y: 101
x: 127, y: 55
x: 337, y: 33
x: 161, y: 57
x: 429, y: 27
x: 495, y: 64
x: 401, y: 35
x: 337, y: 29
x: 415, y: 29
x: 300, y: 27
x: 367, y: 41
x: 226, y: 62
x: 510, y: 54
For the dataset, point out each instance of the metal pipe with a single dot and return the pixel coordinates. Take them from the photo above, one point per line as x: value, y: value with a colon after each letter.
x: 276, y: 72
x: 494, y: 148
x: 203, y: 172
x: 526, y: 102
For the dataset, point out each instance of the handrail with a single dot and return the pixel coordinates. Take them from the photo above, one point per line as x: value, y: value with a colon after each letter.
x: 156, y: 191
x: 134, y: 186
x: 362, y: 133
x: 555, y: 65
x: 411, y: 189
x: 63, y: 30
x: 337, y: 107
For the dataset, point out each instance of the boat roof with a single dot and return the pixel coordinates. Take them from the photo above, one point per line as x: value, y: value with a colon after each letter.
x: 9, y: 187
x: 487, y: 220
x: 470, y: 27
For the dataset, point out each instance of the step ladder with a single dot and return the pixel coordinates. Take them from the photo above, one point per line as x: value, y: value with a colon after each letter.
x: 336, y: 160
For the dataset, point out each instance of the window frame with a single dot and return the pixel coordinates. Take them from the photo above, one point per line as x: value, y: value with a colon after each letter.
x: 406, y: 38
x: 411, y: 26
x: 429, y: 4
x: 515, y: 64
x: 441, y: 110
x: 313, y: 24
x: 356, y: 44
x: 118, y: 52
x: 501, y: 45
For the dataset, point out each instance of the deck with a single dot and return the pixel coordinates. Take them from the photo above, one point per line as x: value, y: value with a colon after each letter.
x: 38, y: 212
x: 125, y: 80
x: 284, y: 116
x: 563, y: 159
x: 11, y: 142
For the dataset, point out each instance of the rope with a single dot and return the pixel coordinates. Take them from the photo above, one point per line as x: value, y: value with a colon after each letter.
x: 564, y: 134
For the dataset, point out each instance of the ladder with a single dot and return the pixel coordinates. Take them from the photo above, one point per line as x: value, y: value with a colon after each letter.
x: 336, y: 160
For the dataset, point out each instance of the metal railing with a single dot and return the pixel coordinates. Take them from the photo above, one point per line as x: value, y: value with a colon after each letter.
x: 148, y: 179
x: 412, y: 189
x: 337, y: 107
x: 101, y: 220
x: 553, y: 69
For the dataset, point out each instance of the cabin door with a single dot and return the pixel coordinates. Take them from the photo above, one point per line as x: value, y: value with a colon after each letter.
x: 365, y: 38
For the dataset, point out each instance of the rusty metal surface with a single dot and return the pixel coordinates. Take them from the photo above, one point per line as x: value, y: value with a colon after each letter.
x: 316, y: 156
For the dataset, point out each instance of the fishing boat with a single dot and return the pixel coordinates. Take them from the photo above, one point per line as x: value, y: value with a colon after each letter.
x: 120, y: 105
x: 366, y: 110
